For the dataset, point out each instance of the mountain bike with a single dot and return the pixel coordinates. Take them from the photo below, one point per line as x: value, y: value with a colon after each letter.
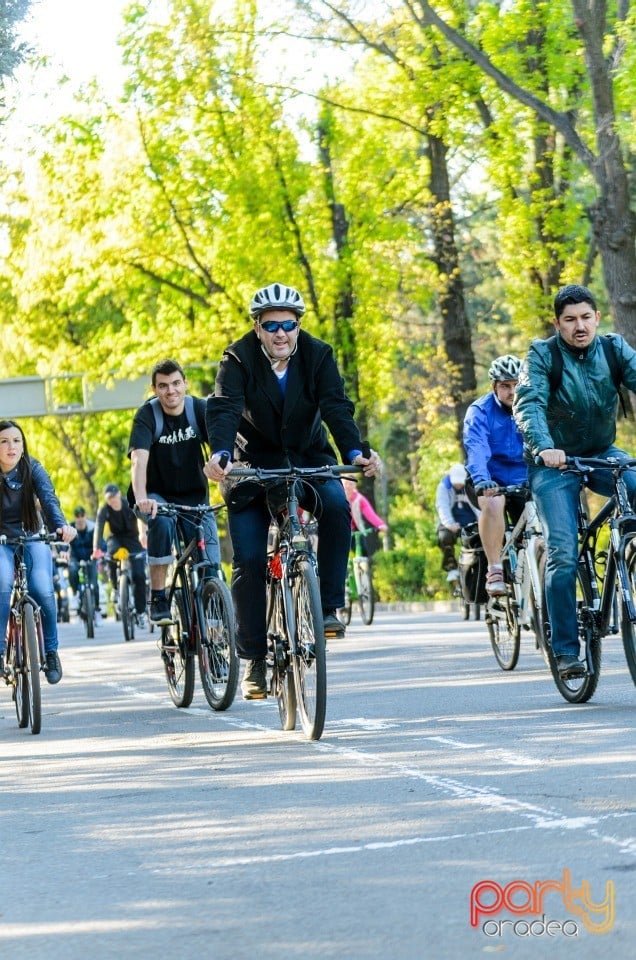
x: 25, y: 657
x: 85, y: 599
x: 520, y: 606
x: 124, y: 594
x: 359, y: 582
x: 606, y: 579
x: 202, y: 616
x: 295, y: 633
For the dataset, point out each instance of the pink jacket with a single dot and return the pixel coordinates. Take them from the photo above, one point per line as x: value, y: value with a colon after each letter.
x: 362, y: 510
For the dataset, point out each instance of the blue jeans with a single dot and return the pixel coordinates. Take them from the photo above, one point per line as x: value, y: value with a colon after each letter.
x: 556, y: 495
x: 161, y: 536
x: 248, y: 530
x: 40, y: 579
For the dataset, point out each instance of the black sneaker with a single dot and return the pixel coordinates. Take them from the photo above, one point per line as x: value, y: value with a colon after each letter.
x: 254, y: 682
x: 53, y: 668
x: 570, y: 666
x: 160, y: 611
x: 332, y: 627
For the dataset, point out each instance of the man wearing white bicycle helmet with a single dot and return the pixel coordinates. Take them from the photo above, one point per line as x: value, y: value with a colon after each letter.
x: 494, y: 458
x: 276, y: 389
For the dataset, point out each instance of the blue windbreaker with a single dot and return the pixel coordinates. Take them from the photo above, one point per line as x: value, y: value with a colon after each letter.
x: 493, y: 443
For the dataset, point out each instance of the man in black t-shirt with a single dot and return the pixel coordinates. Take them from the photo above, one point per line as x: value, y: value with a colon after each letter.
x: 166, y: 456
x: 123, y: 532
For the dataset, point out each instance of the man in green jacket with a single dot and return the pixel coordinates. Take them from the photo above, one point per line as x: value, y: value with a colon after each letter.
x: 566, y: 405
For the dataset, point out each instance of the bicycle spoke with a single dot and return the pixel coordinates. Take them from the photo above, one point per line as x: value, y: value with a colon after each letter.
x: 218, y: 662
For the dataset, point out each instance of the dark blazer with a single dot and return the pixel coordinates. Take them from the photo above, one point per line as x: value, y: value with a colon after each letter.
x: 249, y: 416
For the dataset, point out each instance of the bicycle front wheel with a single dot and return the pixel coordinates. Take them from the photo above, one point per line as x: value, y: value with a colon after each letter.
x: 127, y: 616
x: 218, y: 663
x: 309, y: 658
x: 504, y: 632
x: 88, y: 603
x: 283, y: 684
x: 28, y: 701
x: 364, y: 583
x: 577, y: 689
x: 628, y: 629
x: 178, y: 661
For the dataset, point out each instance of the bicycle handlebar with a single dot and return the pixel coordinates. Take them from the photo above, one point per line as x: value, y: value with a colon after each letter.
x: 327, y: 471
x: 51, y: 538
x: 172, y: 509
x: 587, y: 464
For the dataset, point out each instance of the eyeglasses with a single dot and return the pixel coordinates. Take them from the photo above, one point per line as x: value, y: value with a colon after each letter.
x: 273, y: 326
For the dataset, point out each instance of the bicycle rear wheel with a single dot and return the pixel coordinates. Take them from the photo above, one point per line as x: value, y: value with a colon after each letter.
x: 628, y: 629
x: 28, y: 700
x: 218, y: 663
x: 364, y: 582
x: 309, y: 658
x: 178, y: 660
x: 576, y: 689
x: 283, y: 683
x: 127, y: 615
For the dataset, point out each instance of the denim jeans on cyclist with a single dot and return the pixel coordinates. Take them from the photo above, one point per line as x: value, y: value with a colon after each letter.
x: 161, y: 536
x: 556, y: 494
x: 248, y: 530
x: 40, y: 579
x: 90, y: 573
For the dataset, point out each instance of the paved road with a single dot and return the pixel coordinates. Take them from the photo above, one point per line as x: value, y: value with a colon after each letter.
x: 133, y: 829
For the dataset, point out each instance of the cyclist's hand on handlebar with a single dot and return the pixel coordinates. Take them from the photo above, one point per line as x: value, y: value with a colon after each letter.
x: 487, y: 488
x: 147, y: 507
x: 218, y: 466
x: 67, y: 532
x: 552, y: 458
x: 97, y: 554
x: 370, y: 465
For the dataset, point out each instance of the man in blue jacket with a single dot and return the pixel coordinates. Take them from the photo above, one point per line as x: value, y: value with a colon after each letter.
x: 494, y: 458
x: 575, y: 416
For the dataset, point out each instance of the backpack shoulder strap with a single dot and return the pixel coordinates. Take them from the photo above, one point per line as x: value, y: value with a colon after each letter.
x: 556, y: 370
x: 615, y: 369
x: 158, y: 415
x: 191, y: 415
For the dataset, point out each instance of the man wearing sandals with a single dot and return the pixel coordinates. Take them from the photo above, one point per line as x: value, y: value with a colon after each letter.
x: 494, y: 458
x: 571, y: 412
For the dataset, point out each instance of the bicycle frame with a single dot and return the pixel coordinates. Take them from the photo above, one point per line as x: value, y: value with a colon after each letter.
x: 524, y: 536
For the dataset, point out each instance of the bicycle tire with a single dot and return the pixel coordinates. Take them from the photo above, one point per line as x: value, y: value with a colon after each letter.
x: 504, y: 631
x: 88, y: 602
x: 628, y: 629
x: 178, y: 660
x: 283, y: 685
x: 31, y: 671
x: 309, y: 659
x: 539, y: 609
x: 364, y: 584
x: 127, y: 618
x: 216, y: 647
x: 576, y: 689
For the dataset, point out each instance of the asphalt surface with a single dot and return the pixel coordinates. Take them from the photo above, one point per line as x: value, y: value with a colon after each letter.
x: 133, y: 829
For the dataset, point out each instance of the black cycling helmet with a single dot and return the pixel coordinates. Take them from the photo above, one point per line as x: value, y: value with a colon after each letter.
x: 505, y: 368
x: 276, y: 296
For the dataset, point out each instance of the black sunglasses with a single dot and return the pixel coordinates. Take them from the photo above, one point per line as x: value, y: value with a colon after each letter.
x: 273, y: 326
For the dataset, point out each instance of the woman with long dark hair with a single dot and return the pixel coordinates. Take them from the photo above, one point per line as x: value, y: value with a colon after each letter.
x: 24, y: 483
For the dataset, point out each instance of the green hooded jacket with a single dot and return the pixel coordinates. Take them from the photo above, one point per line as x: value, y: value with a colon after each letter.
x: 580, y: 416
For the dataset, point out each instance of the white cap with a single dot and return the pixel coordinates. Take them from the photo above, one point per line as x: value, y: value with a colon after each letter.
x: 457, y: 473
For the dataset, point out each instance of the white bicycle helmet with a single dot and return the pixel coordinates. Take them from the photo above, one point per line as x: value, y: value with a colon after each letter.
x: 505, y: 368
x: 276, y: 296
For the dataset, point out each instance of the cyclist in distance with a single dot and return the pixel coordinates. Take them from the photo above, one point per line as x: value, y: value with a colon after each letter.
x: 123, y: 532
x: 362, y: 513
x: 25, y: 483
x: 80, y: 549
x: 454, y: 512
x: 275, y: 387
x: 167, y: 460
x: 570, y: 414
x: 494, y: 458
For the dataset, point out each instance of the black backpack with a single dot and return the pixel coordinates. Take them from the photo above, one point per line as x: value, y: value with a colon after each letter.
x: 556, y: 371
